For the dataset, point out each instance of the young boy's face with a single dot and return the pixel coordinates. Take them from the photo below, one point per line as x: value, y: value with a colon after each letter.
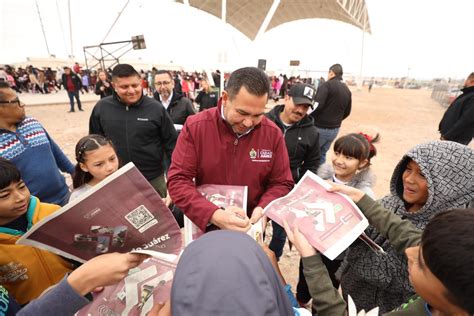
x: 427, y: 285
x: 415, y: 186
x: 14, y: 201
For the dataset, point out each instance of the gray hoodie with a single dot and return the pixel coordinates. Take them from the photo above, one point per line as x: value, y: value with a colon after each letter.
x: 382, y: 280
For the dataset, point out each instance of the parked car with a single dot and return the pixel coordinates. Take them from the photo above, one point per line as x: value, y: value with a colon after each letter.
x: 452, y: 94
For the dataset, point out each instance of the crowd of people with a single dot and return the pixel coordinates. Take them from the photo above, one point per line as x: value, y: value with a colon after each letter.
x: 423, y: 225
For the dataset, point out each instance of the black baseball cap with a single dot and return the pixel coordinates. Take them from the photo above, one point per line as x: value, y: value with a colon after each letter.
x: 302, y: 93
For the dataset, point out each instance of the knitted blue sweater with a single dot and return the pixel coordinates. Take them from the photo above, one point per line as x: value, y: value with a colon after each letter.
x: 38, y: 158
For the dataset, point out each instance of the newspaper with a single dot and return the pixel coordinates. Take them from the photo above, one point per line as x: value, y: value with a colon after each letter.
x: 121, y: 213
x: 146, y: 285
x: 222, y: 196
x: 330, y: 221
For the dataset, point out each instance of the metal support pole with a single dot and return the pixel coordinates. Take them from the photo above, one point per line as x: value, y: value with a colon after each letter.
x: 70, y: 28
x: 42, y: 28
x: 224, y: 52
x: 361, y: 80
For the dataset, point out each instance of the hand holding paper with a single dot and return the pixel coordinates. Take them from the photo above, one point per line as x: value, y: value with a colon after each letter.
x: 355, y: 194
x: 299, y: 240
x: 103, y: 270
x: 230, y: 219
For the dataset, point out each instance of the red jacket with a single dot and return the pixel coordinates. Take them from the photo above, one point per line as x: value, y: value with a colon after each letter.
x: 209, y: 151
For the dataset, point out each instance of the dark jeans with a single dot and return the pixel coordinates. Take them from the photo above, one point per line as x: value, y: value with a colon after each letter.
x: 326, y: 137
x: 278, y: 240
x: 72, y: 95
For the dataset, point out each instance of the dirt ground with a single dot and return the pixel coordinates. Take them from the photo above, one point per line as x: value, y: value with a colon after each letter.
x: 403, y: 118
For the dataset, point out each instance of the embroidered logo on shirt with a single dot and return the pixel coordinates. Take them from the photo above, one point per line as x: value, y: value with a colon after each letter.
x: 260, y: 155
x: 265, y: 153
x: 12, y: 272
x: 142, y: 119
x: 253, y: 154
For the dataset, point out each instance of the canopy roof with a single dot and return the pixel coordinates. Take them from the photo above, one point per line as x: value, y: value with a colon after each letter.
x: 248, y: 15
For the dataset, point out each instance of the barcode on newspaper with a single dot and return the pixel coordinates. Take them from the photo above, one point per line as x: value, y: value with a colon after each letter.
x: 139, y: 216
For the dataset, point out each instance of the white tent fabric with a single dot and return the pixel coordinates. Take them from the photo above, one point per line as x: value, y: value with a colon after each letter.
x: 247, y: 16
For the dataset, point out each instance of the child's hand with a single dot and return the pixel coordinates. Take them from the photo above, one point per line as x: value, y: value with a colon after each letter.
x: 299, y: 240
x: 355, y: 194
x: 103, y: 270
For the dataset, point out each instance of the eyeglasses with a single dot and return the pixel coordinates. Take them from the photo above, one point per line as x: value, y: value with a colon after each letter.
x: 14, y: 102
x: 162, y: 83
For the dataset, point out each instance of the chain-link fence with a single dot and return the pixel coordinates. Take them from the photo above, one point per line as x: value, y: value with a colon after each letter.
x: 445, y: 93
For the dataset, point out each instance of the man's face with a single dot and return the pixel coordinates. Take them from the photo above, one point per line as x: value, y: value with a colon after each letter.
x: 294, y: 112
x: 14, y: 201
x: 331, y: 75
x: 13, y: 112
x: 244, y: 111
x: 129, y: 89
x: 426, y: 284
x: 164, y: 84
x: 67, y: 71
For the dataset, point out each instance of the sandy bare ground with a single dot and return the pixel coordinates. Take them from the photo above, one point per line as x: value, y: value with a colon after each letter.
x: 404, y: 118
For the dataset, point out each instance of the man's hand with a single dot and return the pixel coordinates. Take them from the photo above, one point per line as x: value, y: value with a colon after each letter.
x: 256, y: 214
x: 355, y: 194
x: 103, y: 270
x: 232, y: 218
x: 299, y: 240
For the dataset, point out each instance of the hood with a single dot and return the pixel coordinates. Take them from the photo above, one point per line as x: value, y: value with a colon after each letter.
x: 449, y: 171
x: 227, y: 273
x: 274, y: 115
x: 467, y: 90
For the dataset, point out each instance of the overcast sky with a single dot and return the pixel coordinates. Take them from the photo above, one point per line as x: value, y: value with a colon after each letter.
x: 418, y: 38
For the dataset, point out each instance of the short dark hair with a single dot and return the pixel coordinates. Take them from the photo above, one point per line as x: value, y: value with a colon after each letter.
x: 336, y: 69
x: 9, y: 173
x: 253, y: 79
x: 124, y: 71
x: 447, y: 243
x: 160, y: 72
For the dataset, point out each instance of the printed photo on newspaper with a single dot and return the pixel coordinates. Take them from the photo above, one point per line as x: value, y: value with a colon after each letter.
x: 147, y: 284
x: 222, y: 196
x: 330, y: 221
x: 120, y: 214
